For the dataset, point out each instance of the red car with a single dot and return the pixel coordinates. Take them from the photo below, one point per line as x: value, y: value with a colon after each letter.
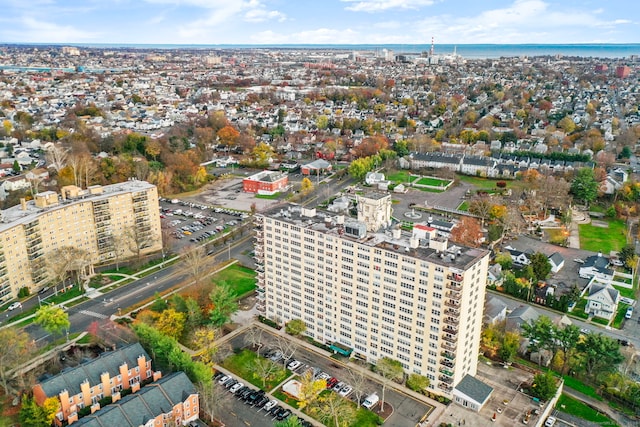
x: 331, y: 382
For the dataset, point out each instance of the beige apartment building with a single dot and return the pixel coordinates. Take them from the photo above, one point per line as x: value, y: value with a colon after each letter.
x: 411, y: 296
x: 106, y: 222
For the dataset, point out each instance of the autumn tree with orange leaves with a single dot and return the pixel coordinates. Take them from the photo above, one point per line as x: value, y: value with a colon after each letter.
x: 467, y: 232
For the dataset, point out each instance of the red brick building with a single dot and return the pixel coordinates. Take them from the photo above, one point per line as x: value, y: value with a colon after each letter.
x: 265, y: 182
x: 623, y: 71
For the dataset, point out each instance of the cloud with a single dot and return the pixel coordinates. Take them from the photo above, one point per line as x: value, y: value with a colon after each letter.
x: 34, y: 30
x: 383, y: 5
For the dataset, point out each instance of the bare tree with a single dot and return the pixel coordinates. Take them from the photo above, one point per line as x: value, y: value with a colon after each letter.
x: 253, y: 337
x: 286, y: 346
x: 19, y: 351
x: 56, y: 157
x: 195, y: 262
x: 214, y: 400
x: 136, y: 240
x: 333, y: 409
x: 265, y: 369
x: 358, y: 382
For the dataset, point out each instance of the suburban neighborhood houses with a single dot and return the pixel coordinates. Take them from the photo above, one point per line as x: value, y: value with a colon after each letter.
x: 267, y: 236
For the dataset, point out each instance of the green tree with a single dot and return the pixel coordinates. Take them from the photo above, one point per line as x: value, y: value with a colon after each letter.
x: 567, y: 339
x: 16, y: 167
x: 359, y: 167
x: 625, y: 153
x: 32, y: 415
x: 567, y: 124
x: 52, y: 319
x: 509, y: 347
x: 544, y: 385
x: 333, y: 409
x: 13, y: 355
x: 292, y: 421
x: 417, y: 382
x: 540, y: 333
x: 505, y: 260
x: 599, y: 354
x: 224, y: 304
x: 584, y: 186
x: 390, y: 370
x: 540, y: 265
x: 310, y: 389
x: 295, y: 327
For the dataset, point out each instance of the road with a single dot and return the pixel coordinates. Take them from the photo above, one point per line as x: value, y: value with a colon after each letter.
x: 111, y: 303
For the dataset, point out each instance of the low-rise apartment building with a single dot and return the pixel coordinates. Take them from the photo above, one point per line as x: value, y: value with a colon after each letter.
x: 105, y: 376
x: 411, y: 296
x: 105, y: 222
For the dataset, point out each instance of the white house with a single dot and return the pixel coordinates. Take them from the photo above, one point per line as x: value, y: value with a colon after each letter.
x: 557, y: 262
x: 596, y: 266
x: 602, y: 300
x: 472, y: 393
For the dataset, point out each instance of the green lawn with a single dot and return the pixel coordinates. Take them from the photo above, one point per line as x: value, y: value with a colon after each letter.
x: 242, y: 364
x: 489, y: 184
x: 429, y: 190
x: 278, y: 394
x: 435, y: 182
x: 399, y: 177
x: 464, y: 206
x: 622, y: 310
x: 241, y: 279
x: 626, y: 292
x: 576, y: 384
x: 600, y: 239
x: 363, y: 418
x: 578, y: 310
x: 268, y: 196
x: 576, y: 408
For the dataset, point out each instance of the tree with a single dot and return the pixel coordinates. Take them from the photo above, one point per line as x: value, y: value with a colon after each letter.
x: 540, y: 265
x: 214, y: 400
x: 265, y: 370
x: 16, y: 167
x: 228, y: 136
x: 13, y: 355
x: 32, y: 415
x: 584, y: 186
x: 567, y: 339
x: 286, y: 346
x: 567, y: 124
x: 310, y: 388
x: 481, y: 207
x: 540, y: 333
x: 509, y: 347
x: 390, y: 370
x: 52, y: 319
x: 254, y: 338
x: 51, y: 406
x: 359, y: 383
x: 171, y: 323
x: 204, y: 339
x: 224, y: 304
x: 306, y: 186
x: 544, y: 385
x: 599, y: 354
x: 333, y: 409
x: 504, y: 259
x: 295, y: 327
x: 467, y: 232
x: 195, y: 262
x: 417, y: 382
x: 292, y: 421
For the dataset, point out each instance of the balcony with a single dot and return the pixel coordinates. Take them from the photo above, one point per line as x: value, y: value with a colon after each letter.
x: 452, y: 340
x: 455, y: 295
x: 445, y: 379
x: 449, y: 346
x: 450, y: 330
x: 455, y: 277
x: 447, y: 372
x: 451, y: 321
x: 448, y: 355
x: 445, y: 387
x: 452, y: 303
x: 452, y: 312
x: 453, y: 285
x: 447, y: 363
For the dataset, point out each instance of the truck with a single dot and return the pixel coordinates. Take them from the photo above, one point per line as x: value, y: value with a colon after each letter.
x: 370, y: 401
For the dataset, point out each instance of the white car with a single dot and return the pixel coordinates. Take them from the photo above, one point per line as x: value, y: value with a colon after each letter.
x: 345, y: 391
x: 15, y: 305
x: 236, y: 387
x: 268, y: 406
x: 224, y: 379
x: 550, y: 422
x: 294, y: 365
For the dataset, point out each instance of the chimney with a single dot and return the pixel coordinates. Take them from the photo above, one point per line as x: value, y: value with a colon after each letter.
x: 396, y: 233
x: 23, y: 204
x: 414, y: 243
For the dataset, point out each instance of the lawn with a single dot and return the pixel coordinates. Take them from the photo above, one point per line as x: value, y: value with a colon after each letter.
x: 622, y: 310
x: 464, y: 206
x: 490, y: 184
x: 278, y: 394
x: 604, y: 240
x: 241, y: 279
x: 242, y: 364
x: 434, y: 182
x: 363, y: 418
x: 400, y: 177
x: 626, y: 292
x: 268, y: 196
x: 576, y: 408
x: 578, y: 311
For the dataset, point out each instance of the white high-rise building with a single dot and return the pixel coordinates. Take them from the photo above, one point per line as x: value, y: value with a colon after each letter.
x: 411, y: 296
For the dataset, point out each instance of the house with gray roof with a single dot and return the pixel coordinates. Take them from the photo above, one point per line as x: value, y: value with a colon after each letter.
x: 173, y: 397
x: 602, y: 300
x: 472, y: 393
x: 105, y: 376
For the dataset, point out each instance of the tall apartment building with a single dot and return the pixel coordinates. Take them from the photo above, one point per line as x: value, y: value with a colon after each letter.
x: 107, y: 222
x: 411, y: 296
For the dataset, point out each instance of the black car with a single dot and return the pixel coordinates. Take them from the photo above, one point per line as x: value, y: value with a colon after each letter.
x: 245, y: 394
x: 231, y: 383
x: 217, y: 375
x: 283, y: 414
x: 305, y: 423
x: 275, y: 410
x: 255, y: 396
x: 261, y: 402
x: 241, y: 390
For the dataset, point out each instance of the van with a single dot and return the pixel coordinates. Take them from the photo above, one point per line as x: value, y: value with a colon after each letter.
x: 371, y: 401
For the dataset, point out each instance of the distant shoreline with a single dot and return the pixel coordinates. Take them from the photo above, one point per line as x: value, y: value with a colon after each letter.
x: 467, y: 51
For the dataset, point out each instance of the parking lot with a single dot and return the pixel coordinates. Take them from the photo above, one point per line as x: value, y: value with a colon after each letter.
x: 407, y: 411
x: 192, y: 223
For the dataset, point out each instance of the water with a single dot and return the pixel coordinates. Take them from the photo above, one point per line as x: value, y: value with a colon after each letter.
x: 471, y: 51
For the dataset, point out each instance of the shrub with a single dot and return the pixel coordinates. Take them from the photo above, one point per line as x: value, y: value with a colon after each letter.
x: 23, y: 292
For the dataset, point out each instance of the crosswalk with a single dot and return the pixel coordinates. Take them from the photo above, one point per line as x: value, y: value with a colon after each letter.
x: 93, y: 314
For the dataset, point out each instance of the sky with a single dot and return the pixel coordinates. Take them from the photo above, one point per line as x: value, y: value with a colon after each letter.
x: 272, y: 22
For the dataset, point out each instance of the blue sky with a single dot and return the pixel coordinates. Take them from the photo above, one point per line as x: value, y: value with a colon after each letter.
x: 319, y: 21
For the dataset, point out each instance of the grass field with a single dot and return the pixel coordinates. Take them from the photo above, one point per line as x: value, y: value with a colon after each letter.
x: 242, y: 364
x: 241, y: 279
x: 490, y: 184
x: 268, y: 196
x: 601, y: 239
x: 400, y: 177
x: 434, y: 182
x: 363, y: 417
x: 576, y: 408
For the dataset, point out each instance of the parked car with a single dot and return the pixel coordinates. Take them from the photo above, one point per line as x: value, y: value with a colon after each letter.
x: 235, y: 387
x: 283, y: 414
x: 261, y: 402
x: 44, y: 290
x: 294, y: 365
x: 275, y: 410
x: 269, y: 406
x: 629, y: 313
x: 346, y: 390
x: 550, y: 422
x: 224, y: 379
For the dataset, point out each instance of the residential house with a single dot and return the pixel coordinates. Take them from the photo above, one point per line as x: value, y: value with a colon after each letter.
x: 495, y: 276
x: 557, y: 262
x: 602, y: 300
x: 374, y: 178
x: 108, y: 375
x: 596, y: 266
x: 170, y: 401
x: 494, y: 310
x: 520, y: 315
x: 316, y: 167
x: 518, y: 257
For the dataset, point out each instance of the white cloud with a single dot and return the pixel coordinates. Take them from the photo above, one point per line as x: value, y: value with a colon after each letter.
x: 37, y: 31
x: 261, y: 15
x: 383, y: 5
